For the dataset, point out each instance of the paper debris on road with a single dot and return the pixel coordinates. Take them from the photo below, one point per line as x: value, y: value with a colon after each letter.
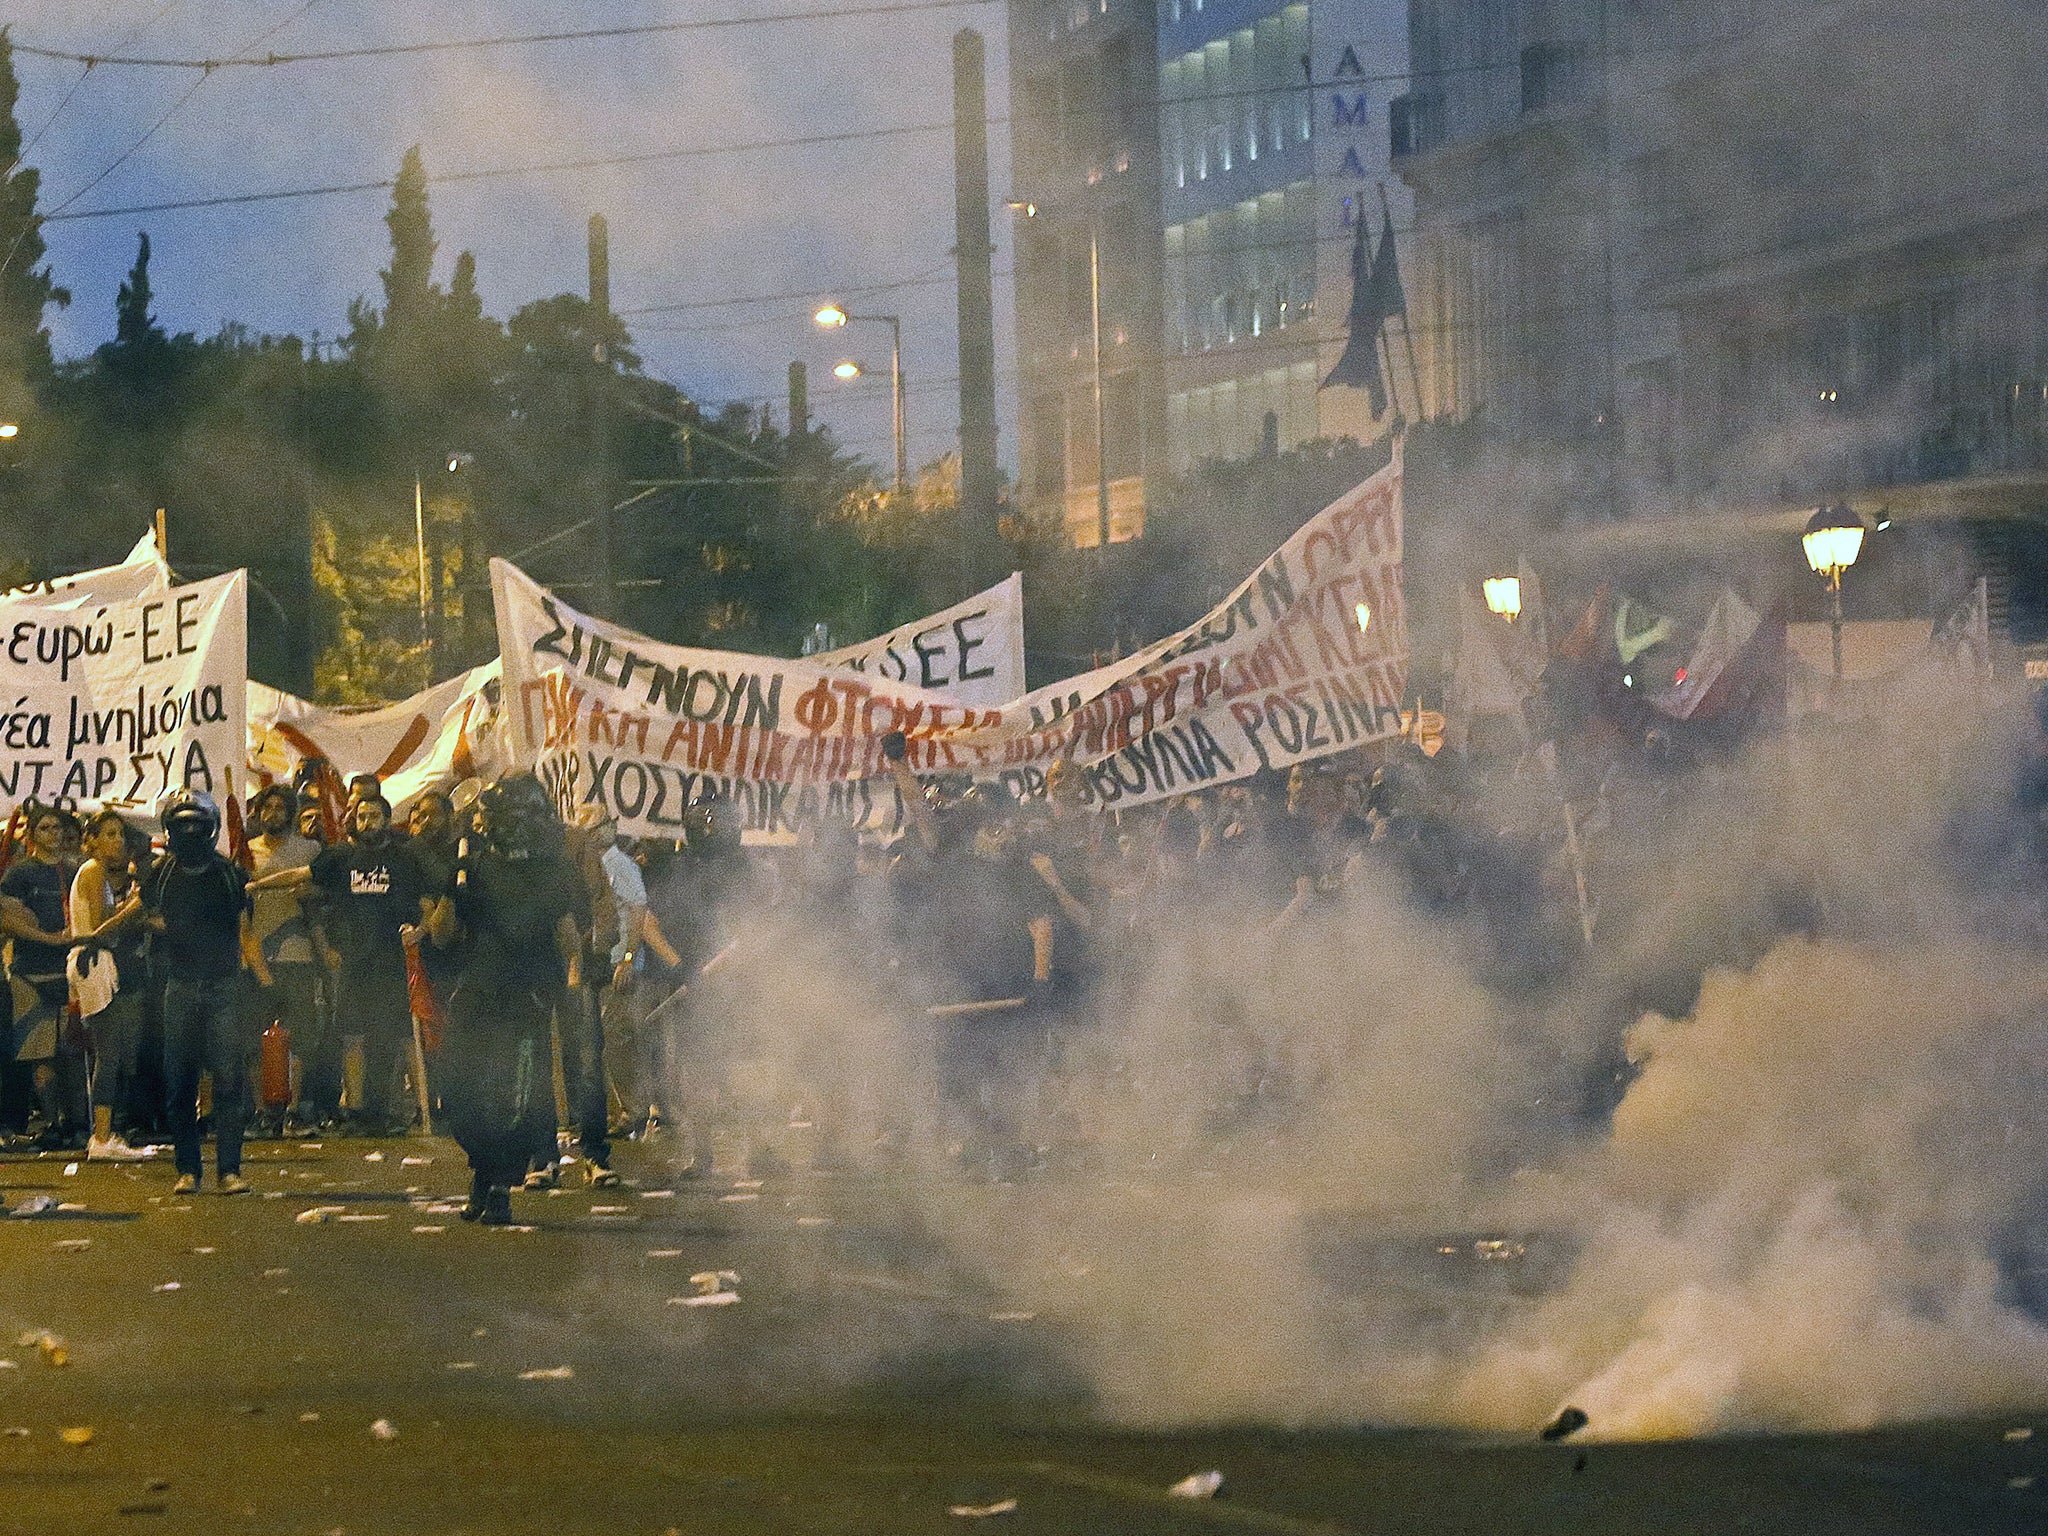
x: 2022, y: 1433
x: 76, y: 1434
x: 714, y: 1299
x: 461, y: 1365
x: 736, y: 1199
x: 168, y: 1285
x: 70, y: 1169
x: 657, y: 1194
x: 202, y: 1250
x: 275, y: 1274
x: 73, y: 1244
x: 364, y: 1216
x: 1198, y: 1485
x: 10, y: 1365
x: 748, y: 1183
x: 711, y: 1281
x: 814, y: 1221
x: 309, y: 1418
x: 415, y: 1162
x: 383, y: 1429
x: 429, y: 1228
x: 35, y: 1205
x: 552, y: 1373
x: 315, y: 1215
x: 1011, y: 1317
x: 664, y: 1253
x: 2019, y: 1482
x: 982, y: 1511
x: 608, y: 1210
x: 15, y: 1432
x: 55, y: 1351
x: 373, y: 1157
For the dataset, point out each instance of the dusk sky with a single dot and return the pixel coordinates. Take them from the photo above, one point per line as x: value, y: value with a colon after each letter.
x: 790, y: 225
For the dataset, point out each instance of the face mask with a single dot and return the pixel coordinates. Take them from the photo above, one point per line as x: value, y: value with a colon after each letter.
x: 188, y: 845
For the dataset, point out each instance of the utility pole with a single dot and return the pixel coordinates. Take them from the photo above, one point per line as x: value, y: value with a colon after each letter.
x: 972, y: 250
x: 799, y: 403
x: 607, y: 584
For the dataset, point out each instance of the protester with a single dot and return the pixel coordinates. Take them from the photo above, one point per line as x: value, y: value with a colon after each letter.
x: 32, y: 900
x: 284, y: 932
x: 198, y: 905
x: 513, y: 927
x: 102, y: 912
x: 372, y: 888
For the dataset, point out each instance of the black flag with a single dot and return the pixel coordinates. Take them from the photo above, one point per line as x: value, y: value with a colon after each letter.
x: 1387, y: 298
x: 1360, y: 365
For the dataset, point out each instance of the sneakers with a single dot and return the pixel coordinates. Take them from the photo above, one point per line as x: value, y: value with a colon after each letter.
x: 602, y: 1177
x: 233, y: 1184
x: 113, y: 1149
x: 188, y: 1184
x: 547, y: 1176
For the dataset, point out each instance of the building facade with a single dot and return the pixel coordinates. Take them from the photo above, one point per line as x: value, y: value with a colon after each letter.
x: 1203, y: 164
x: 1708, y: 267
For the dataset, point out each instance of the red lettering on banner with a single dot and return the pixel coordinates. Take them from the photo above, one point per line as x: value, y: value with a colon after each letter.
x: 683, y: 734
x: 714, y: 747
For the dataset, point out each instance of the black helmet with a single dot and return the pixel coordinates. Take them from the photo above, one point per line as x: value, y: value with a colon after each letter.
x: 191, y: 822
x: 518, y: 817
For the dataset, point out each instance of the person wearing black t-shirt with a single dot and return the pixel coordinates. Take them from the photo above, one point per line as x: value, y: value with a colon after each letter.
x: 372, y: 886
x: 519, y: 951
x: 32, y: 915
x: 198, y: 907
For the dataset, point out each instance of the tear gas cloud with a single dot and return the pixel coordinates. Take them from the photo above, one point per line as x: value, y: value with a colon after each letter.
x: 1799, y: 1198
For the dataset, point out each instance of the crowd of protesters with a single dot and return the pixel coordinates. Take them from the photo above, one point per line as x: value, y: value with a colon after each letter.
x: 576, y: 986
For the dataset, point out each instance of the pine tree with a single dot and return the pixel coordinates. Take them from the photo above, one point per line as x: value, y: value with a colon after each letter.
x: 409, y: 280
x: 134, y: 326
x: 26, y: 289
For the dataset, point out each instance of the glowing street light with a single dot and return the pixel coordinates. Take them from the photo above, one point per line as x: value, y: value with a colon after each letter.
x: 1504, y: 596
x: 1833, y: 539
x: 848, y: 370
x: 830, y: 317
x: 9, y: 429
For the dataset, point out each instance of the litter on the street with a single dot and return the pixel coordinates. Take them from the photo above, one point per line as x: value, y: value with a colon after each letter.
x: 73, y: 1244
x: 429, y: 1228
x: 702, y: 1299
x: 1569, y: 1421
x: 1198, y: 1485
x: 2022, y: 1433
x: 364, y: 1216
x: 664, y: 1253
x: 551, y: 1373
x: 168, y: 1285
x: 35, y: 1205
x: 76, y: 1434
x: 315, y: 1215
x: 383, y: 1429
x: 982, y: 1511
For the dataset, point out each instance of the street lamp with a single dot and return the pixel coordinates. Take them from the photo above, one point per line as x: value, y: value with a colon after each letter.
x: 831, y: 318
x: 1833, y: 539
x: 848, y: 370
x: 430, y: 586
x: 9, y: 429
x: 1504, y: 596
x: 1030, y: 211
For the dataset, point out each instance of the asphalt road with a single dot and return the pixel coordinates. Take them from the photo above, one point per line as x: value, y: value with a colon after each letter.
x: 230, y: 1358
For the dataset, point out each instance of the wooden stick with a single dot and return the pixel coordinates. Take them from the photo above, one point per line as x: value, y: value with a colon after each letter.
x: 966, y: 1010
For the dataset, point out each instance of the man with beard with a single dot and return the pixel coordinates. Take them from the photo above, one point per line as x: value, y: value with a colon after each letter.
x: 284, y: 933
x: 518, y: 952
x: 198, y: 905
x: 372, y: 886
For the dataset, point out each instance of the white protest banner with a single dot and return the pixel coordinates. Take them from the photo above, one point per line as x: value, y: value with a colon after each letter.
x: 433, y: 740
x: 117, y: 702
x: 972, y: 651
x: 1308, y: 656
x: 142, y: 574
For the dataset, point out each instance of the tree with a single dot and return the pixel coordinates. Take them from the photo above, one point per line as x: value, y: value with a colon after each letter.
x: 26, y: 290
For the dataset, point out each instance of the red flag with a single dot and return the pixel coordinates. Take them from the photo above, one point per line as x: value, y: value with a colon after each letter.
x: 419, y: 992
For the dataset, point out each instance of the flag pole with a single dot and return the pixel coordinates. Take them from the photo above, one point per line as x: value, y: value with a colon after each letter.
x: 1407, y: 330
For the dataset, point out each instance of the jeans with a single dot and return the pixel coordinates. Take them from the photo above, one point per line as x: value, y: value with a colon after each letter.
x: 116, y: 1032
x: 205, y: 1030
x: 581, y: 1026
x: 371, y: 1001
